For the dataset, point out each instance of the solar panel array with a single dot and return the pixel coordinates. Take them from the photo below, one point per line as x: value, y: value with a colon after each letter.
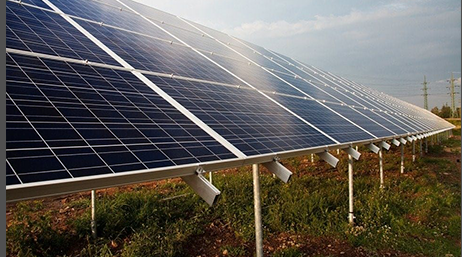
x: 104, y: 88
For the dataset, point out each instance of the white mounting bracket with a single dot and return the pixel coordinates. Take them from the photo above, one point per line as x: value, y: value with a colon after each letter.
x: 403, y: 141
x: 202, y: 187
x: 373, y: 148
x: 384, y: 145
x: 395, y: 142
x: 410, y: 139
x: 279, y: 170
x: 355, y: 154
x: 329, y: 158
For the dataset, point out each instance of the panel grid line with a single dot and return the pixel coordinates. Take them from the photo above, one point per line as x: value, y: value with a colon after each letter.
x: 390, y: 106
x: 16, y: 174
x: 342, y: 94
x: 298, y: 116
x: 296, y: 75
x: 67, y: 121
x: 372, y: 105
x: 102, y: 95
x: 43, y: 140
x: 183, y: 110
x: 386, y: 107
x: 328, y: 136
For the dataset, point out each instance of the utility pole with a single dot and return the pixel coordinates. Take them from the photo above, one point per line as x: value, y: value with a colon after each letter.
x: 425, y: 92
x: 453, y: 96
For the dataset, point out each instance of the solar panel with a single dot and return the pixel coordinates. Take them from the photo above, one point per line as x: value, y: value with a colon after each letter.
x: 76, y: 120
x: 102, y: 93
x: 244, y: 117
x: 36, y: 30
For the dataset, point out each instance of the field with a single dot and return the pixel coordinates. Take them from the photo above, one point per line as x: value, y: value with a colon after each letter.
x: 416, y: 214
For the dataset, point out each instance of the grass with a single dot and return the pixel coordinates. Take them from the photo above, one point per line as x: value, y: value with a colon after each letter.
x: 416, y: 213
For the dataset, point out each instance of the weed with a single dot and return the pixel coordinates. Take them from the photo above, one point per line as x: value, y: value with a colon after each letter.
x: 288, y: 252
x: 417, y: 213
x: 32, y: 235
x: 234, y: 251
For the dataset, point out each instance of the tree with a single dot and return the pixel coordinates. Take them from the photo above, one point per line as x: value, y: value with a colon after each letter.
x: 435, y: 111
x: 445, y: 112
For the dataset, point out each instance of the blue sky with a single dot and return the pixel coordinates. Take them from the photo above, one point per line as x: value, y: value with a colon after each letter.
x: 387, y: 45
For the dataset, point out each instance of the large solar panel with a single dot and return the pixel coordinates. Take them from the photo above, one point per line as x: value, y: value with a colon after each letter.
x: 109, y: 89
x: 36, y: 30
x: 76, y: 120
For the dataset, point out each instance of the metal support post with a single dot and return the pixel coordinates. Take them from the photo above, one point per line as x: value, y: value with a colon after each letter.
x: 381, y: 167
x: 413, y: 151
x: 421, y: 148
x: 312, y: 158
x: 210, y: 177
x: 338, y: 151
x: 257, y: 208
x: 426, y: 145
x: 93, y: 214
x: 402, y: 158
x: 350, y: 190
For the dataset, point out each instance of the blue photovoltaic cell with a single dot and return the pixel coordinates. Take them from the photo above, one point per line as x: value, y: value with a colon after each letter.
x: 205, y: 43
x: 364, y: 121
x: 328, y: 93
x: 384, y: 121
x: 335, y: 87
x: 334, y: 93
x: 40, y: 31
x: 182, y: 30
x: 85, y: 121
x: 152, y: 55
x: 326, y: 120
x: 38, y: 3
x: 67, y: 120
x: 247, y: 119
x: 360, y: 97
x: 109, y: 13
x: 265, y: 81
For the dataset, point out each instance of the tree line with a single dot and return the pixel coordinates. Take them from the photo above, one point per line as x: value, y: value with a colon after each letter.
x: 445, y: 111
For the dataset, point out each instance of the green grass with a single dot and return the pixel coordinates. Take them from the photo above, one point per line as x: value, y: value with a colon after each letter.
x: 455, y: 122
x: 288, y: 252
x: 418, y: 213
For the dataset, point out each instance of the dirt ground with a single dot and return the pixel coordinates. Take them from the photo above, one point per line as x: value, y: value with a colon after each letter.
x: 219, y: 235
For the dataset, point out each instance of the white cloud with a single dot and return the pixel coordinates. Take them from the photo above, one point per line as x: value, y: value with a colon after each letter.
x: 283, y: 28
x: 457, y: 81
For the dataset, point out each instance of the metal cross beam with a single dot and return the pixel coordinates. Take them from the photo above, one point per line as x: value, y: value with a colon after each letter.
x: 202, y: 187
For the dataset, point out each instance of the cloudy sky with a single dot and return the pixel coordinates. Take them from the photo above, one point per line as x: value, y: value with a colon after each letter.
x: 387, y: 45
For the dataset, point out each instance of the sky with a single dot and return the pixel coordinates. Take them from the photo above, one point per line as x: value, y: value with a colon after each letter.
x: 386, y: 45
